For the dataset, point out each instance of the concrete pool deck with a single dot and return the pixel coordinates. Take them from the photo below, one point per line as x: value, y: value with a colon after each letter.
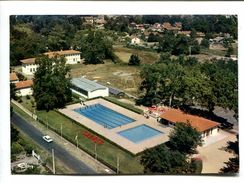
x: 112, y: 134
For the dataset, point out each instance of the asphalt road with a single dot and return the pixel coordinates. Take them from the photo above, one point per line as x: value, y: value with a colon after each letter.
x: 70, y: 161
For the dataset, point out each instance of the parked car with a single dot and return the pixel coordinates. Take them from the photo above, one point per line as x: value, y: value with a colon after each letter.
x: 47, y: 138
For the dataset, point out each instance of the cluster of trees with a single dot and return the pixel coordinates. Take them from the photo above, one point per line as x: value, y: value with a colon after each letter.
x: 177, y: 45
x: 185, y: 81
x: 202, y: 23
x: 174, y: 157
x: 51, y: 83
x: 95, y: 46
x: 33, y: 35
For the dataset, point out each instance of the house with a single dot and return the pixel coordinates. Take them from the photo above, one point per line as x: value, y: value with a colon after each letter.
x: 186, y: 33
x: 88, y: 89
x: 13, y: 77
x: 178, y: 25
x: 200, y: 34
x: 24, y: 88
x: 71, y: 56
x: 29, y: 66
x: 135, y: 40
x: 204, y: 126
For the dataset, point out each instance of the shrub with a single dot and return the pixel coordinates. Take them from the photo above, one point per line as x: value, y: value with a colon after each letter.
x: 16, y: 148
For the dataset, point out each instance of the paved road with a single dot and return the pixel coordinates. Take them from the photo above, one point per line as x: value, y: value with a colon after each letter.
x: 70, y: 161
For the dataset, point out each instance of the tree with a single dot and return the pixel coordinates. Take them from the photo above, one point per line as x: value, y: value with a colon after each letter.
x: 229, y: 51
x: 134, y: 60
x: 96, y: 47
x: 161, y: 160
x: 205, y: 43
x: 51, y: 86
x: 12, y: 91
x: 232, y: 166
x: 184, y: 138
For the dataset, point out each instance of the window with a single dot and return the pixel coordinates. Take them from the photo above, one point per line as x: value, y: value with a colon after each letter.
x: 73, y: 59
x: 30, y: 69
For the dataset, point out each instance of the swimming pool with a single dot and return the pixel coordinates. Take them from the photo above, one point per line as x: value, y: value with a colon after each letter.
x: 139, y: 133
x: 104, y: 116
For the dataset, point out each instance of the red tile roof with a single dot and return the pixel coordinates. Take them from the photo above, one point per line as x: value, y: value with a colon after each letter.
x: 201, y: 124
x: 24, y: 84
x: 28, y: 61
x: 13, y: 77
x: 50, y: 55
x: 64, y: 52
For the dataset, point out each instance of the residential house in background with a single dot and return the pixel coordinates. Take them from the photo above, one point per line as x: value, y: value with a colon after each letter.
x: 24, y: 88
x: 13, y: 77
x: 135, y: 40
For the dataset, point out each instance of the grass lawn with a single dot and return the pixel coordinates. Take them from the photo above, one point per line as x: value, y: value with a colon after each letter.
x: 120, y: 76
x: 106, y: 152
x: 146, y: 57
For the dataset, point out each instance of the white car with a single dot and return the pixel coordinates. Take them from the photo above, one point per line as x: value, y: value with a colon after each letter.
x: 47, y: 138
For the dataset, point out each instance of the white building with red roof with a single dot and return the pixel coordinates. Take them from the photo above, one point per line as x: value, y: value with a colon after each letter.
x: 24, y: 88
x: 29, y: 65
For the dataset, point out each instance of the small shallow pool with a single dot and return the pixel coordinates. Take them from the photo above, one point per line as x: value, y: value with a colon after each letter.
x: 140, y: 133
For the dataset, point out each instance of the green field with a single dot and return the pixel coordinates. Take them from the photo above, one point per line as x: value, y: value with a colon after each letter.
x: 107, y: 152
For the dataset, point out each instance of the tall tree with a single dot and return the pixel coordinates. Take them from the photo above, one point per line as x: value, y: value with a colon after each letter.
x: 96, y: 47
x: 51, y: 88
x: 134, y: 60
x: 184, y: 138
x: 161, y: 160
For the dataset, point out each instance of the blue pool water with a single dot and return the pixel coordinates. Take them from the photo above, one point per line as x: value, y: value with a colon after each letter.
x: 104, y: 116
x: 139, y: 133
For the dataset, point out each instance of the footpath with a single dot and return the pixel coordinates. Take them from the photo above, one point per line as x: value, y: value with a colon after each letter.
x: 71, y: 148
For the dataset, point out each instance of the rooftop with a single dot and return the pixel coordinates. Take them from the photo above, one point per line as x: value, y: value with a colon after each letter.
x: 64, y: 52
x: 86, y: 84
x: 50, y: 55
x: 115, y: 91
x: 201, y: 124
x: 13, y: 76
x: 24, y: 84
x: 28, y: 61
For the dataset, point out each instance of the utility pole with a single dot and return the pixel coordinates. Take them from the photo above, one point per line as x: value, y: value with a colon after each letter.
x: 117, y: 164
x: 76, y: 137
x: 190, y: 50
x: 53, y: 161
x: 61, y: 130
x: 95, y: 150
x: 47, y: 122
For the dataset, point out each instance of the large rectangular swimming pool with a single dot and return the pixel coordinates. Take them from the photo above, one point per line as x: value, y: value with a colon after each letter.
x: 104, y: 116
x: 140, y: 133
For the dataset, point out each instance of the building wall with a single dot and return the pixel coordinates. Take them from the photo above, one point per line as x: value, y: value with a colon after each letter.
x: 97, y: 93
x: 135, y: 41
x: 29, y: 69
x: 14, y: 81
x: 24, y: 92
x: 81, y: 94
x: 72, y: 58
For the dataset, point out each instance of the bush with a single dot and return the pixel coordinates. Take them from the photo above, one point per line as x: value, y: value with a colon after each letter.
x: 196, y: 164
x: 27, y: 97
x: 16, y: 148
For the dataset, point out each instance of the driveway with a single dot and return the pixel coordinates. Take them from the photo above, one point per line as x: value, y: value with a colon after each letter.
x: 214, y: 155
